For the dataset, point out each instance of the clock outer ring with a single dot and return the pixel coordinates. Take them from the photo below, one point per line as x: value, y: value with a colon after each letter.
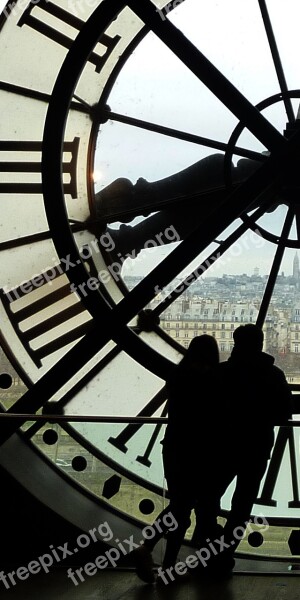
x: 109, y: 328
x: 262, y: 105
x: 55, y: 209
x: 58, y: 145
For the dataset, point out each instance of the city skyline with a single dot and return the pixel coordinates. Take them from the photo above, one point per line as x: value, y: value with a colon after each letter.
x: 246, y: 261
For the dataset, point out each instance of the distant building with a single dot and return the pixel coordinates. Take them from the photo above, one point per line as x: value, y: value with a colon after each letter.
x: 296, y: 271
x: 207, y: 316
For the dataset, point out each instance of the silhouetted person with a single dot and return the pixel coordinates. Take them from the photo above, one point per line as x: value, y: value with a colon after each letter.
x: 188, y: 385
x: 250, y: 396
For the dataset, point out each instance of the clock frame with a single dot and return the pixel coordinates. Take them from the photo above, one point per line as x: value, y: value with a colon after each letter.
x: 85, y: 334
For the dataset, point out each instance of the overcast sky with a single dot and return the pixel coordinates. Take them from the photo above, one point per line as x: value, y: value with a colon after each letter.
x: 154, y: 85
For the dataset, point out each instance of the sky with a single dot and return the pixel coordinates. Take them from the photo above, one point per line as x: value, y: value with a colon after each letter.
x: 155, y: 86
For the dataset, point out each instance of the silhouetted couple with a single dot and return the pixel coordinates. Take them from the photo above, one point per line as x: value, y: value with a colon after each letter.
x: 221, y: 419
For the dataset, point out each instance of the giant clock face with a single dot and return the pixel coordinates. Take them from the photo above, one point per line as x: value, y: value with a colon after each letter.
x: 136, y: 158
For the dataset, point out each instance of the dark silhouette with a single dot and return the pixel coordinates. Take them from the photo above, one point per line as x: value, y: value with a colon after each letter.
x: 250, y: 395
x: 187, y: 383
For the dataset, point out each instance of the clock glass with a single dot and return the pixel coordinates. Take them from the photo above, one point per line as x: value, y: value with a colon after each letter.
x: 149, y: 193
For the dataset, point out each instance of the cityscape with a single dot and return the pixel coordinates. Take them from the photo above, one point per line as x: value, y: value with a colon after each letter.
x: 218, y: 305
x: 214, y: 305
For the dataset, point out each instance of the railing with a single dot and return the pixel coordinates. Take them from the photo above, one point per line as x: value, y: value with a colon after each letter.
x: 82, y: 418
x: 101, y: 419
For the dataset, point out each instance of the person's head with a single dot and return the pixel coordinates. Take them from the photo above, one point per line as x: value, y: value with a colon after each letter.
x: 203, y: 349
x: 248, y: 338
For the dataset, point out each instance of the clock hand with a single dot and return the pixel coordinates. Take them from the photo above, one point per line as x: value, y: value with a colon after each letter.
x: 101, y: 116
x: 231, y: 208
x: 87, y: 347
x: 183, y: 199
x: 199, y: 190
x: 122, y: 201
x: 62, y: 93
x: 240, y: 199
x: 259, y: 188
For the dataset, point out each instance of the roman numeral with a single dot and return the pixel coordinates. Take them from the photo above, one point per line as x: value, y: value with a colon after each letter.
x: 36, y: 331
x: 20, y: 90
x: 286, y: 436
x: 123, y: 438
x: 144, y: 459
x: 30, y: 151
x: 31, y: 18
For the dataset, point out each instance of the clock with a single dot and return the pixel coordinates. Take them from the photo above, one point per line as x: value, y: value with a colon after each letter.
x: 134, y: 161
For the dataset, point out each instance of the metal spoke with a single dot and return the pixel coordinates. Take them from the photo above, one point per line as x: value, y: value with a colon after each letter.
x: 36, y: 237
x: 41, y: 96
x: 207, y: 263
x: 297, y: 215
x: 112, y: 321
x: 277, y: 60
x: 60, y: 404
x: 275, y: 268
x: 204, y: 70
x: 261, y: 184
x: 181, y: 135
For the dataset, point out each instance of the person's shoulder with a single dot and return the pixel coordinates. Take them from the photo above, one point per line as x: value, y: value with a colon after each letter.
x: 176, y: 374
x: 278, y: 373
x: 223, y: 367
x: 220, y: 373
x: 268, y: 361
x: 277, y: 369
x: 278, y: 380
